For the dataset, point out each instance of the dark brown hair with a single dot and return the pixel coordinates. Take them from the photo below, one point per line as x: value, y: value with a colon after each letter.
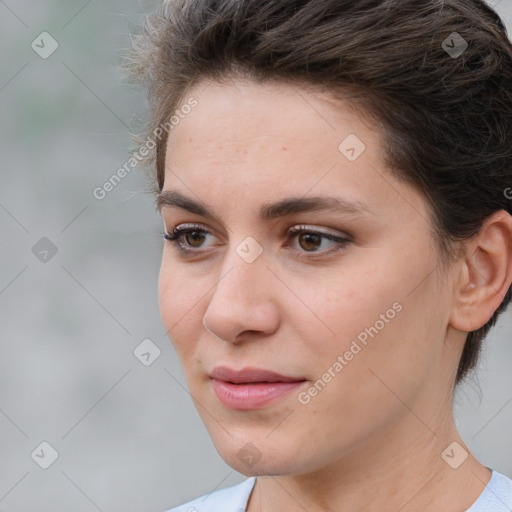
x: 445, y: 110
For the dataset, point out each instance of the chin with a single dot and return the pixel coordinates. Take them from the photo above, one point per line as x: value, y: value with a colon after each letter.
x: 276, y: 466
x: 260, y: 455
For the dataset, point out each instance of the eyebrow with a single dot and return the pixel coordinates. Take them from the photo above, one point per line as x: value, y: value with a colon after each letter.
x: 268, y: 211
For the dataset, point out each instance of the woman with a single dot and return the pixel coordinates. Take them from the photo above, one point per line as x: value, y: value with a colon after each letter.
x: 334, y: 180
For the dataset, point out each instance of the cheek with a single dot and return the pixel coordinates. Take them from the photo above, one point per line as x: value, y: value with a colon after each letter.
x: 339, y: 307
x: 372, y: 316
x: 180, y: 303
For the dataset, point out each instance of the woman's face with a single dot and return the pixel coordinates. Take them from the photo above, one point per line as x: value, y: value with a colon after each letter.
x: 360, y: 325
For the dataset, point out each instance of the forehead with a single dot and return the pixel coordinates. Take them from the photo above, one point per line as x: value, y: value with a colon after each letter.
x: 254, y: 143
x: 249, y: 111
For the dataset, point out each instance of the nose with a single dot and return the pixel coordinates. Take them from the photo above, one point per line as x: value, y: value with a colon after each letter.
x: 244, y: 301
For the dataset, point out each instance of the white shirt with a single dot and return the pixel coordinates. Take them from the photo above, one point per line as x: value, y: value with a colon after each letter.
x: 496, y: 497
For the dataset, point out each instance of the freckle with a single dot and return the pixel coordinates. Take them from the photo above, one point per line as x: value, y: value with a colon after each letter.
x: 284, y: 149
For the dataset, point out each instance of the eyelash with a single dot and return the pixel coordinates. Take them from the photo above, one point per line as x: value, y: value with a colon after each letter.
x: 179, y: 233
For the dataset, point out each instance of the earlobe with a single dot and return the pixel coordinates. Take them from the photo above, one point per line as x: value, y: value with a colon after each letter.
x: 486, y: 274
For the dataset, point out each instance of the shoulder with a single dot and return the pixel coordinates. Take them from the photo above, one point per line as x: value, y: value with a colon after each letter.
x: 231, y: 499
x: 497, y: 495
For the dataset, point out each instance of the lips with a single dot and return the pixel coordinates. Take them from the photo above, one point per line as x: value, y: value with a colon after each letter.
x: 250, y: 375
x: 251, y: 388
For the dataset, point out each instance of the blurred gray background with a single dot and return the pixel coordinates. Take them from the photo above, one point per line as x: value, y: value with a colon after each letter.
x: 78, y: 287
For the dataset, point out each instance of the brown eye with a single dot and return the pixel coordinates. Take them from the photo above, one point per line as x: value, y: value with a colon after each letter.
x: 309, y: 241
x: 187, y: 239
x: 194, y: 238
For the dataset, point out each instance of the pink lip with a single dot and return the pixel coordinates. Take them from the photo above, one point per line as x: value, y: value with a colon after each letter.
x: 249, y: 375
x: 250, y: 388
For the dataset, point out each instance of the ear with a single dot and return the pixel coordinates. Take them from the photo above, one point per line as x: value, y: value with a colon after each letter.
x: 486, y: 274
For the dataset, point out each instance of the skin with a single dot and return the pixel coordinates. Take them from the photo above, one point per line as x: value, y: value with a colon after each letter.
x: 372, y: 438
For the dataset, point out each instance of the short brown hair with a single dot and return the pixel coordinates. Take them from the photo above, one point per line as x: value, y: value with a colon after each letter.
x: 446, y: 116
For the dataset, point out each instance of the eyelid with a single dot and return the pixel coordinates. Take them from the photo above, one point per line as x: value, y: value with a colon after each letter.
x: 294, y: 229
x: 313, y: 229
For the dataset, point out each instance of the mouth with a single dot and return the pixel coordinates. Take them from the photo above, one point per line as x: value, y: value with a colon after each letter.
x: 251, y: 388
x: 250, y: 376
